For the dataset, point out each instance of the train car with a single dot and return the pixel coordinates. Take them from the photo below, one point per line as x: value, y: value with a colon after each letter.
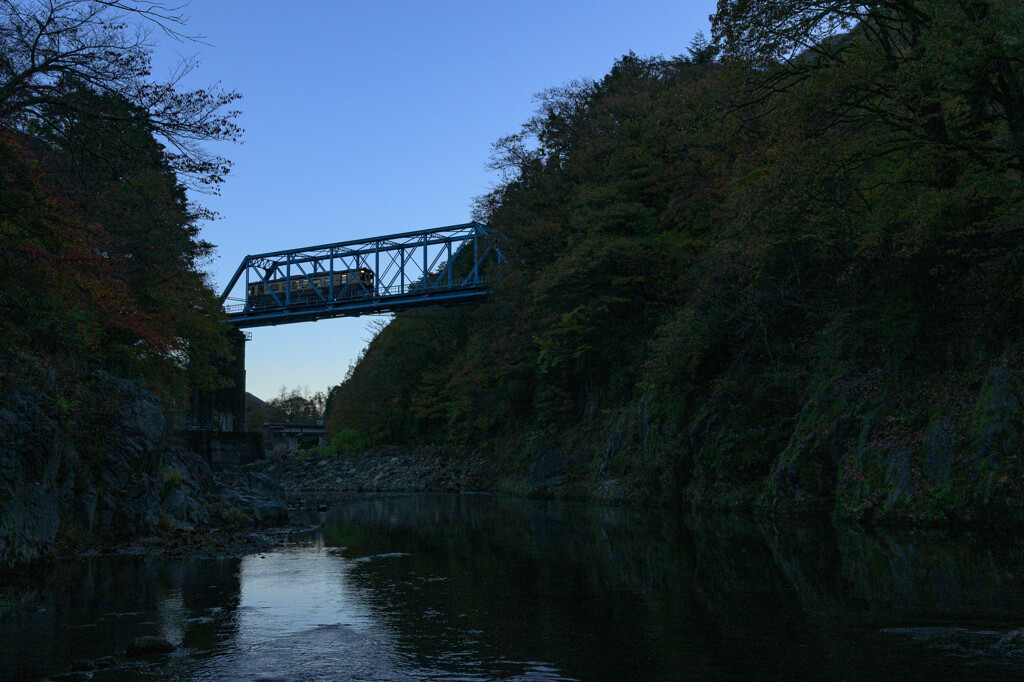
x: 348, y: 284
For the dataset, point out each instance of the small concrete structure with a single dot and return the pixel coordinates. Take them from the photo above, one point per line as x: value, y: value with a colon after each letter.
x: 225, y: 449
x: 222, y: 409
x: 294, y: 436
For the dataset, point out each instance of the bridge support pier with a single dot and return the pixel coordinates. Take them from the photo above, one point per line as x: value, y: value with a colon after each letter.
x: 215, y: 426
x: 224, y: 408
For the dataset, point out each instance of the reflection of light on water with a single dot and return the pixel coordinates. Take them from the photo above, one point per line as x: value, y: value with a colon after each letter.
x: 172, y: 617
x: 288, y: 591
x: 300, y: 617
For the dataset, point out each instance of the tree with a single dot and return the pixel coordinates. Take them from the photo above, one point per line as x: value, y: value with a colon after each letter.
x: 53, y: 50
x: 102, y: 255
x: 296, y: 406
x: 937, y: 72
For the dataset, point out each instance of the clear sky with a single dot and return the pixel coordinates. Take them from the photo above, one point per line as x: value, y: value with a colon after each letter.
x: 368, y: 118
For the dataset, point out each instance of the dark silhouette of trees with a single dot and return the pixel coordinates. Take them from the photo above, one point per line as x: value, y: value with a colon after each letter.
x: 53, y: 50
x: 769, y: 271
x: 101, y: 265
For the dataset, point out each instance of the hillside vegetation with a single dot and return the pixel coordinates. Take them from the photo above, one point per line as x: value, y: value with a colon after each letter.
x: 785, y: 271
x: 101, y: 265
x: 106, y: 316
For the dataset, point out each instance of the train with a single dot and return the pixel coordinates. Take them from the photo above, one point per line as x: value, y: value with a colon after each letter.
x: 348, y: 284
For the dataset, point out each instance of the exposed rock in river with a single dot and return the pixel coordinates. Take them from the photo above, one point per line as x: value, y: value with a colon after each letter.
x: 392, y: 470
x: 141, y: 646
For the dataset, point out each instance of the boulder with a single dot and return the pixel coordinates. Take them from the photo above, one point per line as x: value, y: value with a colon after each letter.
x: 263, y: 486
x: 182, y: 509
x: 1014, y: 639
x: 148, y: 644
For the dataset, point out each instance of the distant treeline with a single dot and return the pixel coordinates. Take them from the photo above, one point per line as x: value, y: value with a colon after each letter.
x: 786, y: 269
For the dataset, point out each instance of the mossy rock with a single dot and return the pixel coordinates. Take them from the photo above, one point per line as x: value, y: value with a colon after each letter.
x: 996, y: 421
x: 804, y: 475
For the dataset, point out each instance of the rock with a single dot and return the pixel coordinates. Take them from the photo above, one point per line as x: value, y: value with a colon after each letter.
x: 899, y: 480
x: 82, y: 665
x: 995, y: 433
x: 1014, y: 639
x: 937, y: 465
x: 143, y: 422
x: 148, y: 644
x: 37, y: 466
x: 546, y: 474
x: 73, y: 676
x: 271, y: 514
x: 105, y: 662
x: 264, y: 486
x: 803, y: 476
x: 259, y: 497
x: 184, y: 511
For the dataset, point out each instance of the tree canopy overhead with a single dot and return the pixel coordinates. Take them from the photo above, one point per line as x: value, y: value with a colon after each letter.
x: 52, y: 50
x: 933, y: 71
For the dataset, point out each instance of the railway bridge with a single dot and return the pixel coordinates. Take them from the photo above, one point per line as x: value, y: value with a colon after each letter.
x: 450, y: 265
x: 438, y: 266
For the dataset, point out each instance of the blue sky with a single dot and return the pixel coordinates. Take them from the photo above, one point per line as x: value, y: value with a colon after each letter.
x: 368, y: 118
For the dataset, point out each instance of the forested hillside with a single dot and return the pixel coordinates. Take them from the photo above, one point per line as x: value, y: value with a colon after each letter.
x: 106, y: 317
x: 784, y: 270
x: 101, y: 266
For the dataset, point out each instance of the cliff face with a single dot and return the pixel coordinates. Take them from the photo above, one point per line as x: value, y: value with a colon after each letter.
x: 37, y: 465
x: 868, y: 460
x: 71, y: 472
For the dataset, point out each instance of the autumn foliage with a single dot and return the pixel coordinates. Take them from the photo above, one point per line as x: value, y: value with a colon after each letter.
x: 101, y: 265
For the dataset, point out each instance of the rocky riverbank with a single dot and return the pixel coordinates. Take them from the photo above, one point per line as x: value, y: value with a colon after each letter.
x: 102, y: 468
x: 310, y: 477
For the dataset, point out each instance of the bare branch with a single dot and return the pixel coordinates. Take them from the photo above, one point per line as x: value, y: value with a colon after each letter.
x: 51, y: 49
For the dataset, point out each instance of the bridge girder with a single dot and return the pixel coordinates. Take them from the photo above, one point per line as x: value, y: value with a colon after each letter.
x: 437, y: 266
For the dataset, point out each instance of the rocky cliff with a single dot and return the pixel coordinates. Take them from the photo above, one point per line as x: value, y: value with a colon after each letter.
x: 77, y: 471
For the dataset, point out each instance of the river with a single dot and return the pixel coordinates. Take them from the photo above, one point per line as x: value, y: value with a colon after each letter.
x: 479, y: 587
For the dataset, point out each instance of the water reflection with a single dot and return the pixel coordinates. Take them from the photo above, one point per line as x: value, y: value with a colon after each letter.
x: 94, y: 607
x: 480, y: 588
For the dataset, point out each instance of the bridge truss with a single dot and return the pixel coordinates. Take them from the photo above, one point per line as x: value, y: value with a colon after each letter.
x: 439, y: 266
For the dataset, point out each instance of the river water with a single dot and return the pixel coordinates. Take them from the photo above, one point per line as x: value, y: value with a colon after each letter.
x: 476, y: 587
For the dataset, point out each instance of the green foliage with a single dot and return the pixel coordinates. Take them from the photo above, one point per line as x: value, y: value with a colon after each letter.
x: 758, y: 270
x: 101, y: 265
x: 347, y: 442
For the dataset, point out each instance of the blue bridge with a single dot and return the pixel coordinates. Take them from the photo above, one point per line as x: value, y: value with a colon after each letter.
x: 440, y: 266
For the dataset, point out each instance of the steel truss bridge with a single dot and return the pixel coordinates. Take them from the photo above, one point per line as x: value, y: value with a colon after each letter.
x: 440, y: 266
